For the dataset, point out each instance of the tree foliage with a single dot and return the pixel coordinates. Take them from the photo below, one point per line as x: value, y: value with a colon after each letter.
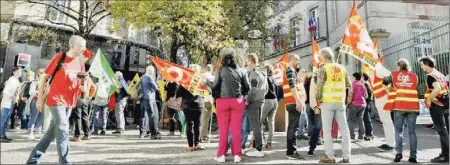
x: 197, y: 26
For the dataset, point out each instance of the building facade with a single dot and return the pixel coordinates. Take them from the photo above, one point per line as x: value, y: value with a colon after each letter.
x: 126, y: 49
x: 390, y: 21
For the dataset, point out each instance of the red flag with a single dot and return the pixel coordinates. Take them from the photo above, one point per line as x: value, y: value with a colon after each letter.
x: 279, y: 69
x: 357, y: 41
x: 316, y: 57
x: 185, y: 77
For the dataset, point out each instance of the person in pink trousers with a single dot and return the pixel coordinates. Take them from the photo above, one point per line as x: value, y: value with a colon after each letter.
x: 229, y: 89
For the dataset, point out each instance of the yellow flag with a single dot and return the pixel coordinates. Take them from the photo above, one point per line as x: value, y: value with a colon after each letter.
x: 161, y: 85
x: 133, y: 83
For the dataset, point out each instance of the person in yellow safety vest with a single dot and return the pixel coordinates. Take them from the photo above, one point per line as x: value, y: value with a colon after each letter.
x: 403, y: 100
x: 293, y: 106
x: 437, y: 99
x: 332, y: 82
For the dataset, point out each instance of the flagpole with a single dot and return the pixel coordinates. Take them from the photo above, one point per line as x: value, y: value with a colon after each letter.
x: 210, y: 126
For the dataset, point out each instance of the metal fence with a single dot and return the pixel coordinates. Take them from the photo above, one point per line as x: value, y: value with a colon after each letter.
x: 427, y: 38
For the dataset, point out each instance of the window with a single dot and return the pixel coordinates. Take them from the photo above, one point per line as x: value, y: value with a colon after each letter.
x: 314, y: 21
x: 422, y: 41
x: 55, y: 15
x: 294, y: 25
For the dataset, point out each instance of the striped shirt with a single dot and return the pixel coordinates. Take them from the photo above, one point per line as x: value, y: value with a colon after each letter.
x: 291, y: 76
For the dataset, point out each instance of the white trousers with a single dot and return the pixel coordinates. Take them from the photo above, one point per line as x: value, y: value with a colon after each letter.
x: 337, y: 111
x: 385, y: 117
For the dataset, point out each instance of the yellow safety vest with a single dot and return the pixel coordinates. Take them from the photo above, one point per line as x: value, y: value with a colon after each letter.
x: 334, y: 88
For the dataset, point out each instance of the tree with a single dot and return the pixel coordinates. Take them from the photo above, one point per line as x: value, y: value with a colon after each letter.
x: 88, y: 14
x: 195, y: 26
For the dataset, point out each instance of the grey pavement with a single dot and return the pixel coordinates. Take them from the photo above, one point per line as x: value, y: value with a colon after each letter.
x: 130, y: 149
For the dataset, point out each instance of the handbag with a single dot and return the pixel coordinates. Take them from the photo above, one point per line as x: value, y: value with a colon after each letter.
x: 174, y: 102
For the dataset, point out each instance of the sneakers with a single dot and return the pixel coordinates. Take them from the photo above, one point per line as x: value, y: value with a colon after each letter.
x: 319, y: 142
x: 220, y: 159
x: 153, y: 137
x: 85, y: 138
x: 294, y: 156
x: 440, y: 159
x: 368, y: 138
x: 302, y: 137
x: 268, y: 146
x: 311, y: 153
x: 103, y: 133
x: 385, y: 147
x: 412, y: 160
x: 344, y: 161
x: 75, y: 139
x: 171, y: 134
x: 190, y: 149
x: 198, y: 148
x: 237, y: 159
x: 326, y: 159
x: 247, y: 149
x: 255, y: 153
x: 205, y: 139
x: 5, y: 140
x: 398, y: 157
x: 118, y: 132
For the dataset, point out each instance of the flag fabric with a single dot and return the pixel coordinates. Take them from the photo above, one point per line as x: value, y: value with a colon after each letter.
x: 101, y: 70
x: 187, y: 78
x: 279, y: 69
x: 357, y: 41
x: 316, y: 57
x: 133, y: 83
x: 162, y: 90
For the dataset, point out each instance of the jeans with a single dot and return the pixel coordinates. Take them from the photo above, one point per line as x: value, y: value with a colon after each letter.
x: 24, y: 118
x: 80, y: 118
x: 193, y: 126
x: 438, y: 115
x: 229, y: 116
x: 302, y: 122
x: 355, y: 117
x: 337, y: 111
x: 254, y: 117
x: 245, y: 131
x: 146, y: 107
x: 119, y: 113
x: 269, y: 110
x: 410, y: 118
x: 206, y: 115
x: 367, y: 117
x: 173, y: 115
x: 294, y: 117
x: 59, y: 129
x: 314, y: 126
x: 137, y: 114
x: 6, y: 114
x: 37, y: 118
x: 103, y: 111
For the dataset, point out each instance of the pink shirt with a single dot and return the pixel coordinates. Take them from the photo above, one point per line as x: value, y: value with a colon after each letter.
x: 359, y: 94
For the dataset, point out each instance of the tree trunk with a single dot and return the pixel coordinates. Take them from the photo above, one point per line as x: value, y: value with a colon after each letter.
x: 127, y: 58
x: 173, y: 49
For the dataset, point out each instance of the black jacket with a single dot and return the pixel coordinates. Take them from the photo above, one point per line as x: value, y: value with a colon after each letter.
x: 230, y: 83
x: 271, y: 94
x: 190, y: 102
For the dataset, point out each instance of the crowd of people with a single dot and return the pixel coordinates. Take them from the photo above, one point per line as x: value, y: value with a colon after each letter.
x: 245, y: 97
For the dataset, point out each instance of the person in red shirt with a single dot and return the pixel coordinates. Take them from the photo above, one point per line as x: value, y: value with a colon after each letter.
x: 66, y: 71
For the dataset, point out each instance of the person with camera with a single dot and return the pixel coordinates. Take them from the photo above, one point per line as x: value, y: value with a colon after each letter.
x: 67, y: 71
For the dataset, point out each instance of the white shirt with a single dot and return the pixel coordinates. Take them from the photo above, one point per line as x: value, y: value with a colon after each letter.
x: 208, y: 77
x: 9, y: 92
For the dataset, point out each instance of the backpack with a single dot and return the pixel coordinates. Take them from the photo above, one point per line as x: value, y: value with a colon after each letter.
x: 138, y: 91
x: 26, y: 89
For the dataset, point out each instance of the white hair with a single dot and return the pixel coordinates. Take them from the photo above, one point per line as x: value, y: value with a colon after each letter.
x: 195, y: 67
x: 119, y: 74
x: 327, y: 53
x: 150, y: 70
x: 76, y: 40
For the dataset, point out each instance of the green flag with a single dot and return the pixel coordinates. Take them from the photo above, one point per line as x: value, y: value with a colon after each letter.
x: 107, y: 81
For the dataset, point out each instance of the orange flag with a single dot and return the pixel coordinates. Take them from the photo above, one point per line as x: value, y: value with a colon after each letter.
x: 279, y: 69
x: 316, y: 57
x: 185, y: 77
x: 357, y: 41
